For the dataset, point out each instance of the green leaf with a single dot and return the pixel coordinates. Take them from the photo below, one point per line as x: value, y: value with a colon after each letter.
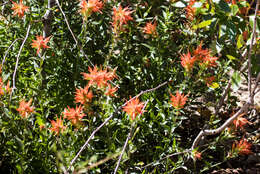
x: 235, y: 80
x: 224, y: 6
x: 204, y: 24
x: 231, y: 57
x: 234, y: 9
x: 240, y: 41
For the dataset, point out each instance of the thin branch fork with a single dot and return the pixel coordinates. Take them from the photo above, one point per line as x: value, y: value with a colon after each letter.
x: 127, y: 139
x: 221, y: 128
x: 111, y: 116
x: 6, y: 53
x: 75, y: 39
x: 17, y: 59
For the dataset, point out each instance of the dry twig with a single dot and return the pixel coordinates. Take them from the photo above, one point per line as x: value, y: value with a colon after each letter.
x: 17, y: 59
x: 111, y: 116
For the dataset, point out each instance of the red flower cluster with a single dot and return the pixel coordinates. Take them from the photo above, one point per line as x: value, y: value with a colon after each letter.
x: 179, y: 100
x: 25, y: 108
x: 90, y: 6
x: 74, y: 115
x: 190, y: 11
x: 83, y: 96
x: 243, y: 147
x: 133, y: 108
x: 209, y: 80
x: 120, y: 16
x: 187, y: 61
x: 150, y: 28
x: 99, y: 77
x: 19, y: 9
x: 199, y: 55
x: 40, y: 43
x: 57, y: 126
x: 240, y: 122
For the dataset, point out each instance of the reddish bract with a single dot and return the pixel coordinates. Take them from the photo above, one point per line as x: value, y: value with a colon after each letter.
x: 57, y: 126
x: 25, y: 108
x: 179, y: 100
x: 40, y: 43
x: 133, y: 108
x: 74, y: 115
x: 19, y: 9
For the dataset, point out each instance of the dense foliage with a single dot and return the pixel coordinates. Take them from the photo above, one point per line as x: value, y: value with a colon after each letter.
x: 67, y: 67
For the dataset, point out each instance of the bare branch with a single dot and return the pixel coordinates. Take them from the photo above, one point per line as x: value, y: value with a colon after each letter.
x: 249, y: 55
x: 221, y: 128
x: 75, y: 39
x: 111, y: 116
x: 127, y: 139
x: 6, y: 53
x: 168, y: 156
x: 17, y: 59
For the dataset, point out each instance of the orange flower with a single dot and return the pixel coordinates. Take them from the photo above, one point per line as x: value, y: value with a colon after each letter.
x: 209, y: 80
x: 133, y: 108
x: 204, y: 57
x: 197, y: 155
x: 19, y: 9
x: 209, y: 61
x: 25, y: 109
x: 190, y: 11
x: 91, y: 6
x: 99, y: 77
x: 243, y: 147
x: 150, y: 28
x: 57, y: 126
x: 110, y: 91
x: 179, y: 100
x: 120, y: 16
x: 40, y: 43
x: 187, y: 61
x: 240, y: 122
x: 200, y: 53
x: 83, y: 95
x: 74, y: 115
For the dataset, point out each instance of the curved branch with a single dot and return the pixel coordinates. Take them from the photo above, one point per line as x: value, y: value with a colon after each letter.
x: 17, y: 59
x: 6, y: 53
x: 75, y: 39
x: 221, y: 128
x: 127, y: 139
x: 111, y: 116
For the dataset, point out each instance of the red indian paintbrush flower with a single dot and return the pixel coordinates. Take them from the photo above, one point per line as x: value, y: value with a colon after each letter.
x: 110, y: 91
x: 40, y: 43
x: 209, y: 80
x: 99, y: 77
x: 197, y: 155
x: 83, y: 96
x: 179, y: 100
x: 120, y: 16
x: 25, y: 108
x: 90, y: 6
x: 187, y: 61
x: 74, y: 115
x: 133, y: 108
x: 19, y: 9
x: 240, y: 122
x: 190, y: 11
x: 204, y: 57
x: 150, y: 28
x: 243, y: 147
x: 57, y: 126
